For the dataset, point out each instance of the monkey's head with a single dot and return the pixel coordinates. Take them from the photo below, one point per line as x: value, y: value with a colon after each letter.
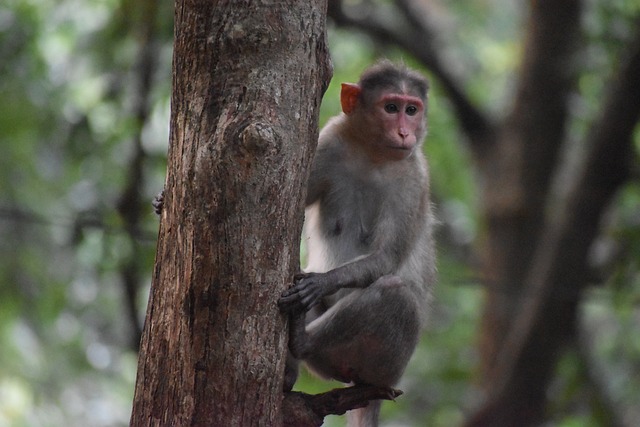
x: 386, y: 110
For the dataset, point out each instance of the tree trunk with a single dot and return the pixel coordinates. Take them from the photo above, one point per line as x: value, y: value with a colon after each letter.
x: 247, y: 85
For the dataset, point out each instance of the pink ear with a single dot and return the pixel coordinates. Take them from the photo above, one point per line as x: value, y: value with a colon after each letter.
x: 349, y: 97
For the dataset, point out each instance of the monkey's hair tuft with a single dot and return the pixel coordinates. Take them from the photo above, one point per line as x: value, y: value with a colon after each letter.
x: 385, y: 74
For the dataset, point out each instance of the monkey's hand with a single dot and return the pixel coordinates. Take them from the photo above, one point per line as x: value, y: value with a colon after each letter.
x: 307, y: 290
x: 158, y: 203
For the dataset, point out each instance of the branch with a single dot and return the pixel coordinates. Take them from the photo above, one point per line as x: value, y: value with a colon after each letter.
x: 305, y: 410
x: 611, y: 137
x: 416, y: 37
x: 546, y: 79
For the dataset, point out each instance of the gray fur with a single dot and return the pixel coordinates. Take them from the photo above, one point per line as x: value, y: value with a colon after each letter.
x: 357, y: 315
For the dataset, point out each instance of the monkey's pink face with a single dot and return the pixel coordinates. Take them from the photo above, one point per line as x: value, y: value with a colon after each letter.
x: 402, y: 120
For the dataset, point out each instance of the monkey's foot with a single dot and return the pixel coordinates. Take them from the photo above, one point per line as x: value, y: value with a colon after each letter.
x: 158, y: 203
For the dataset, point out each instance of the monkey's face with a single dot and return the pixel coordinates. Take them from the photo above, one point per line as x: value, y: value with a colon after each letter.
x: 400, y: 122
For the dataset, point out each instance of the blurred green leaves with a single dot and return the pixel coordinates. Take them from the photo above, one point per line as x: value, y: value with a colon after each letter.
x: 68, y: 86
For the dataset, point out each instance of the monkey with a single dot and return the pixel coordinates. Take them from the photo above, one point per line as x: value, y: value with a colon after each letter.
x: 357, y: 310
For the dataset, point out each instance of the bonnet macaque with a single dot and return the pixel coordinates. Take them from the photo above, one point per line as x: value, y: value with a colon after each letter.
x: 357, y: 311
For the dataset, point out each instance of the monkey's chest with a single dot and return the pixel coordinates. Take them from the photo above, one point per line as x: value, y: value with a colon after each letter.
x: 341, y: 227
x: 350, y: 219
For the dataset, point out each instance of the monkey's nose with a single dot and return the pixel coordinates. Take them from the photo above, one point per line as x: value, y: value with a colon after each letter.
x: 403, y: 133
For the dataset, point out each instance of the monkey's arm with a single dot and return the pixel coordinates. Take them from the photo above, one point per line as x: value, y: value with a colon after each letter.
x: 310, y: 288
x: 391, y: 243
x: 322, y: 170
x: 315, y: 188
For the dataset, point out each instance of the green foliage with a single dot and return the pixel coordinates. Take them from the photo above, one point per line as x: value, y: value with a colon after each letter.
x: 66, y: 128
x: 69, y: 84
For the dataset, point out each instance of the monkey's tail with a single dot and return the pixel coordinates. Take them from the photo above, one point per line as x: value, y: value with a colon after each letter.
x: 365, y: 417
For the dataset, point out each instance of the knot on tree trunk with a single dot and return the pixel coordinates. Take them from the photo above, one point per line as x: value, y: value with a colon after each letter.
x: 259, y: 138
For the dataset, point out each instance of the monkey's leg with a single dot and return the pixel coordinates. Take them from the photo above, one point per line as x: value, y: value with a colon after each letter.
x: 367, y: 337
x: 297, y: 339
x: 290, y: 372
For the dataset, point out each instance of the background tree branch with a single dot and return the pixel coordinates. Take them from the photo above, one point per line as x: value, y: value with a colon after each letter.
x: 559, y: 270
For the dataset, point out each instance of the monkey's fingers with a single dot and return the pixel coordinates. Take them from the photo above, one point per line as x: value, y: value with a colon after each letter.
x: 290, y: 291
x: 299, y: 276
x: 291, y: 294
x: 285, y: 304
x: 158, y: 203
x: 308, y: 301
x: 289, y: 302
x: 392, y: 393
x: 297, y: 299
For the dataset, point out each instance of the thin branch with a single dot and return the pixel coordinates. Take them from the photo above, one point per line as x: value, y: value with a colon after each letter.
x: 305, y: 410
x: 416, y: 37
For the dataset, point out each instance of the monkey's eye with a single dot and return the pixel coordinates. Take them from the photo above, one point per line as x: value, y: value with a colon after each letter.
x: 391, y: 108
x: 411, y: 110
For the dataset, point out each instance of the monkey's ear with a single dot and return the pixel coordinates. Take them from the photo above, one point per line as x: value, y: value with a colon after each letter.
x: 349, y: 97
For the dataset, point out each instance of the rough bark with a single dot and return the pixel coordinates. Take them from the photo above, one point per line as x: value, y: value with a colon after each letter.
x: 247, y: 84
